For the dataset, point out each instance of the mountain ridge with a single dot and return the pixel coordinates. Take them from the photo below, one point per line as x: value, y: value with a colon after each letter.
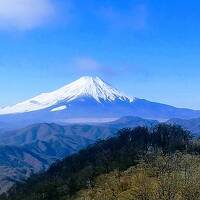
x: 37, y: 146
x: 77, y: 172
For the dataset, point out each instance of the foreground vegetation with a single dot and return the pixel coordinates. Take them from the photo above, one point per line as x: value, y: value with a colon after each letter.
x: 138, y: 164
x: 175, y: 177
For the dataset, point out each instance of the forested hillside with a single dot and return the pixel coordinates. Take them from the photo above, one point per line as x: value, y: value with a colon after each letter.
x: 81, y: 175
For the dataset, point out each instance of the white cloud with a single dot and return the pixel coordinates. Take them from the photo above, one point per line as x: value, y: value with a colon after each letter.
x: 90, y: 66
x: 86, y: 64
x: 25, y: 14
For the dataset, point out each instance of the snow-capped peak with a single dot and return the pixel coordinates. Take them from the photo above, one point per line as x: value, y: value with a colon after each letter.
x: 84, y: 87
x: 93, y: 87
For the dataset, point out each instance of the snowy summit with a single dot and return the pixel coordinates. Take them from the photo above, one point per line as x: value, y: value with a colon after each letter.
x: 86, y: 86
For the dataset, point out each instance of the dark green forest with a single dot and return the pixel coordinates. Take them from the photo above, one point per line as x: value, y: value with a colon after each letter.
x: 137, y: 164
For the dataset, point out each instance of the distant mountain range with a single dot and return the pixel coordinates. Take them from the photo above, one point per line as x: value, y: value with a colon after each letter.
x: 88, y: 99
x: 78, y: 172
x: 193, y: 125
x: 36, y: 147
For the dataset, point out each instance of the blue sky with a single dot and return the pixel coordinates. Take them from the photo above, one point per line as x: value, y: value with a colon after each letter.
x: 147, y: 48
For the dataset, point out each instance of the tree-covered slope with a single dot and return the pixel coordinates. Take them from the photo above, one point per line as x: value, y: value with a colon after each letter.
x: 163, y: 177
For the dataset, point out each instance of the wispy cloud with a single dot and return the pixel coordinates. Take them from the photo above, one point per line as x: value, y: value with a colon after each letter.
x: 90, y: 66
x: 86, y: 64
x: 25, y: 14
x: 134, y: 17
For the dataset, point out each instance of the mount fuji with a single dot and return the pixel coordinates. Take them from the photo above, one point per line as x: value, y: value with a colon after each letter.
x: 88, y: 99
